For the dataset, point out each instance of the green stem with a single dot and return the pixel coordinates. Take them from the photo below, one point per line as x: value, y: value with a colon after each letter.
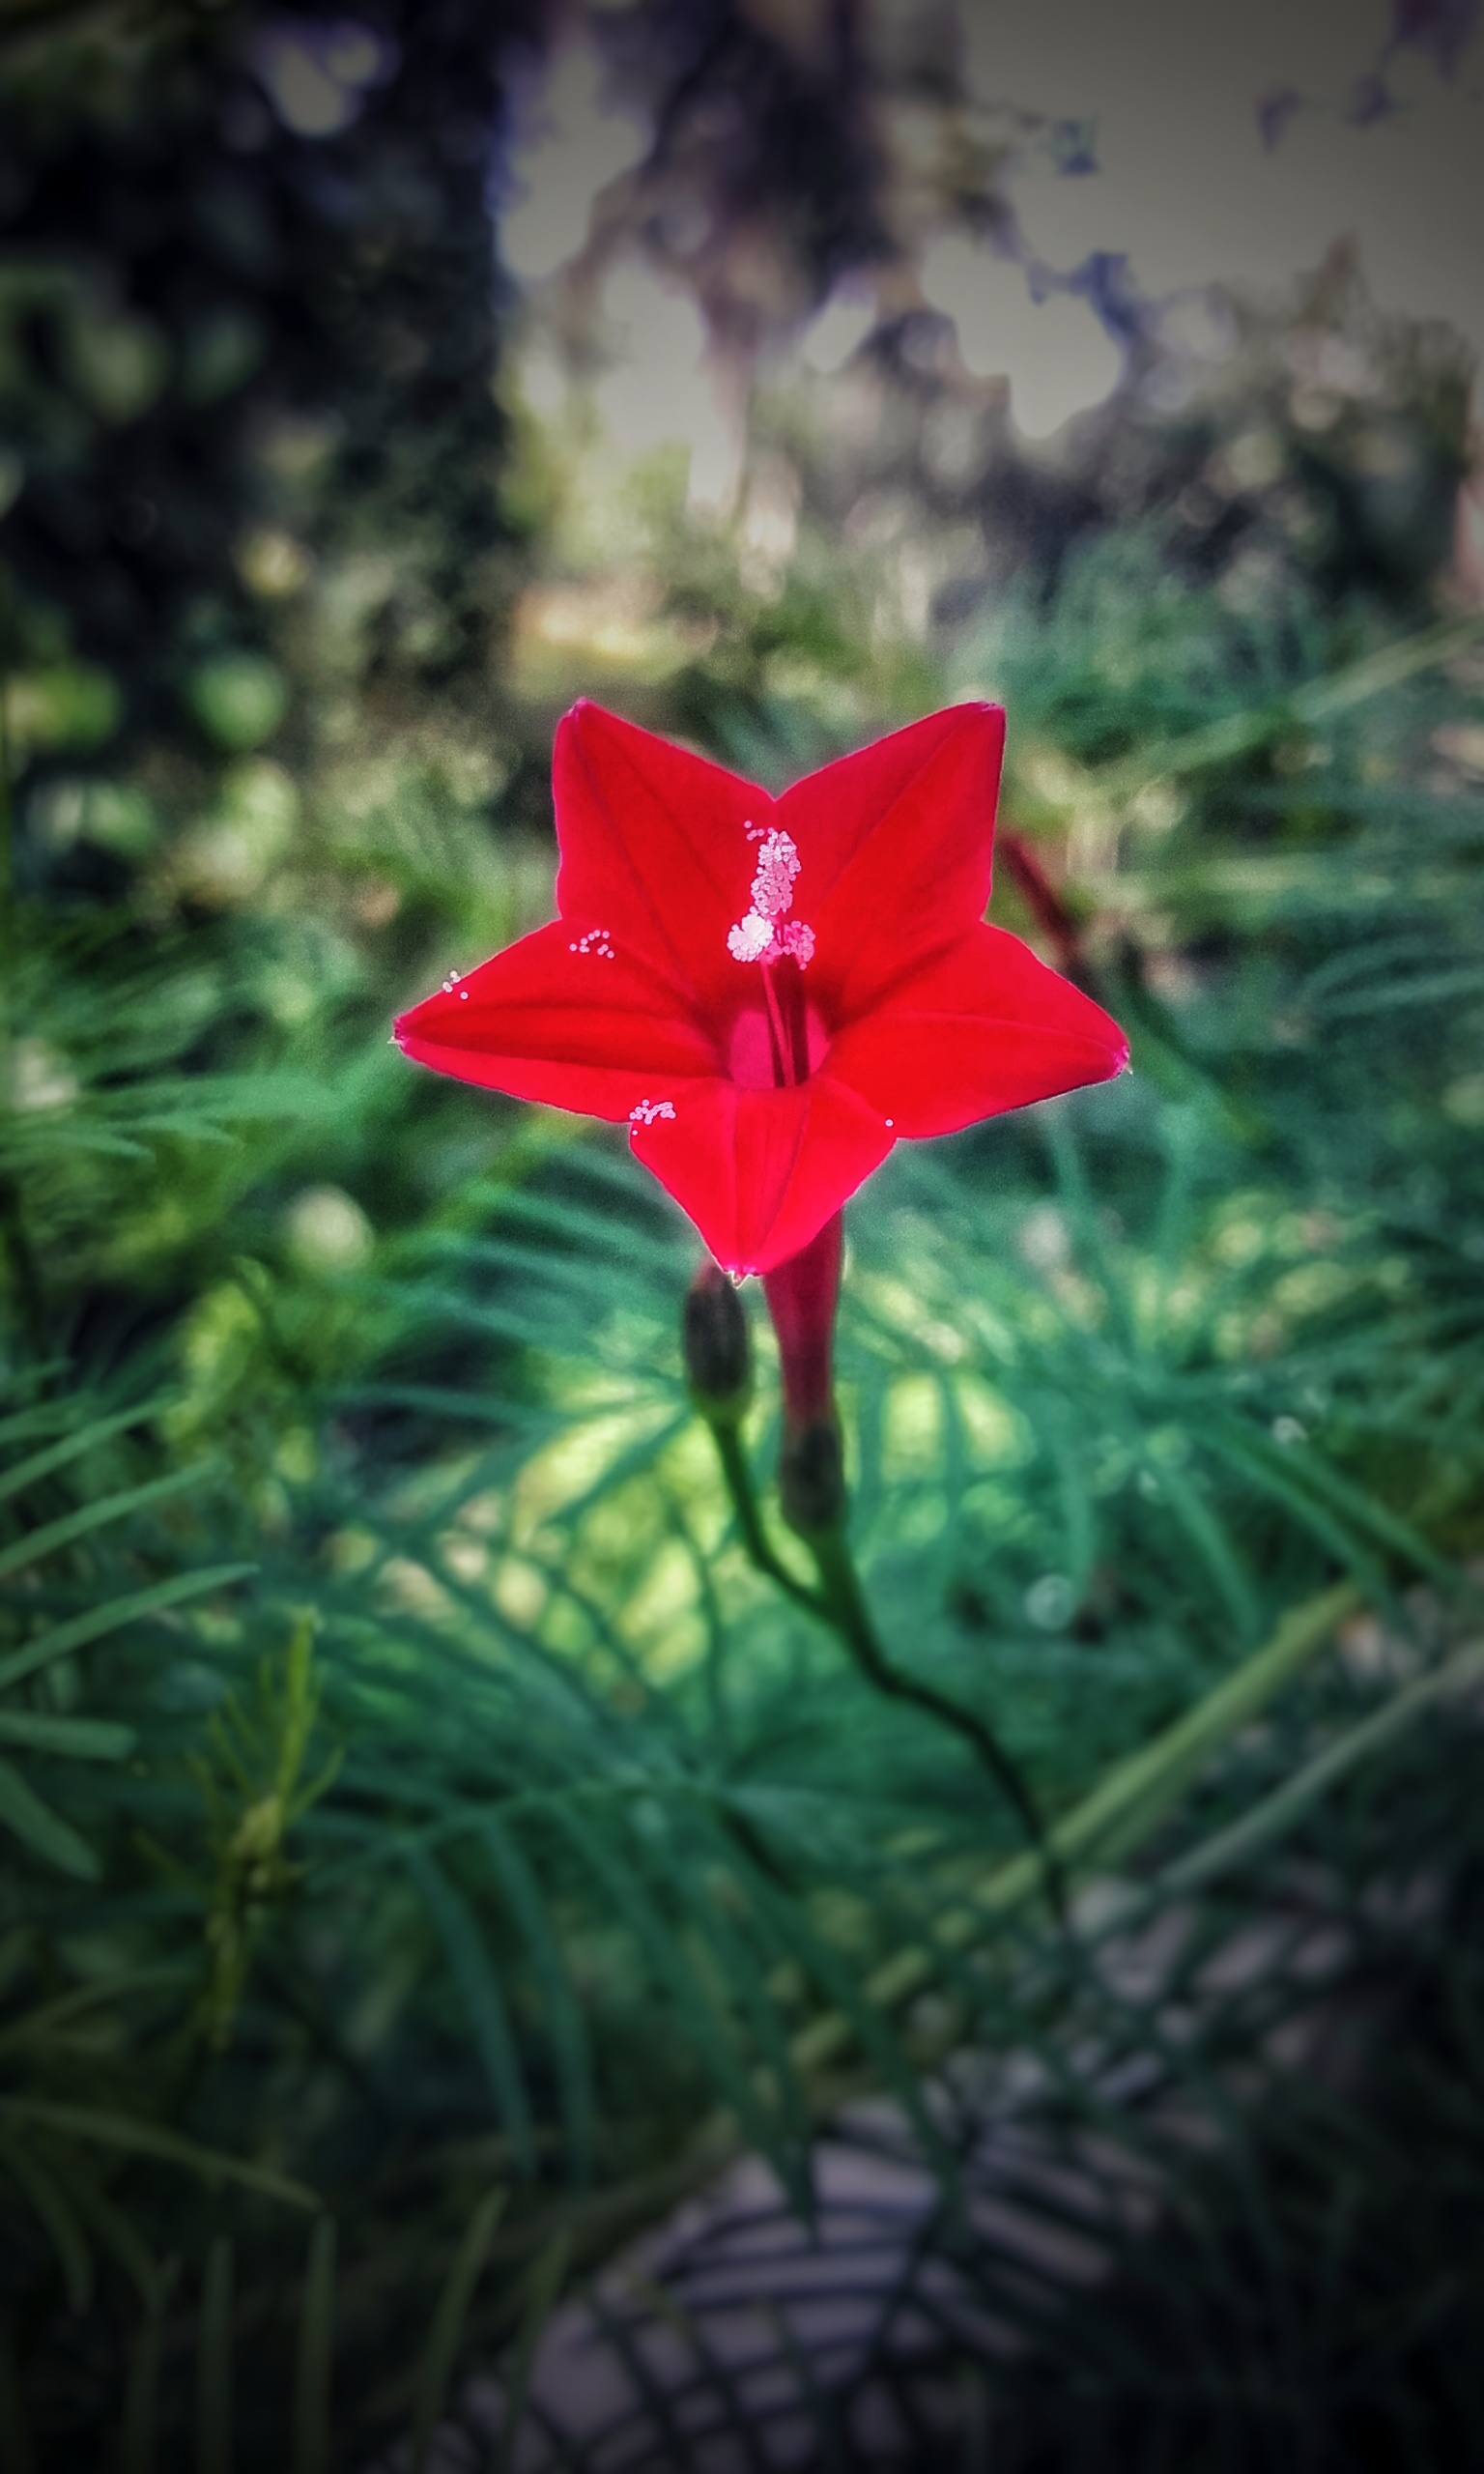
x: 840, y: 1602
x: 851, y: 1619
x: 754, y: 1537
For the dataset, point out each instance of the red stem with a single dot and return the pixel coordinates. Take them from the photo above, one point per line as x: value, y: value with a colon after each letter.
x: 802, y: 1295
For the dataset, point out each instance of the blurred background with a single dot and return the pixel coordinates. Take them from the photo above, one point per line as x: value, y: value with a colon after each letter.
x: 431, y: 1852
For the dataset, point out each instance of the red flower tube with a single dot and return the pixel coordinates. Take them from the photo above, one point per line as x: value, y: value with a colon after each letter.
x: 771, y: 992
x: 802, y: 1295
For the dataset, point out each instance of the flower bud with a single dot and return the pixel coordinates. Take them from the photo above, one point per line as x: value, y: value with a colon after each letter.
x: 718, y: 1358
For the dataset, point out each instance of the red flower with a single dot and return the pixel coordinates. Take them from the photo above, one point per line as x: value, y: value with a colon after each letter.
x: 770, y: 991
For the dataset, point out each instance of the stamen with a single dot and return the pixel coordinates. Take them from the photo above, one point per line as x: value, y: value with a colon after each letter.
x: 758, y: 938
x: 777, y: 867
x: 751, y: 938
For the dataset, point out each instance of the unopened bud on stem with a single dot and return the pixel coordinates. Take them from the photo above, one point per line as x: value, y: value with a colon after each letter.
x: 718, y: 1358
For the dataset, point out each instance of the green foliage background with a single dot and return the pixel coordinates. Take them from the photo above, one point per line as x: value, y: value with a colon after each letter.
x: 408, y: 1789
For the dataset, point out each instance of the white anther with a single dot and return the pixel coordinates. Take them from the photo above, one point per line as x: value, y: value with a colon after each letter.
x: 758, y: 938
x: 777, y: 867
x: 751, y: 938
x: 647, y: 1112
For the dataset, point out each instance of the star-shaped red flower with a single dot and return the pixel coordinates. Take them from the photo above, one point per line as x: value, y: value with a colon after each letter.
x: 771, y: 992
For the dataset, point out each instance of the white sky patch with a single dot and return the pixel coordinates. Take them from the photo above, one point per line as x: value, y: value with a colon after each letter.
x: 660, y: 393
x: 838, y: 329
x: 317, y: 77
x: 575, y: 141
x: 543, y: 380
x: 1187, y: 188
x: 1057, y: 354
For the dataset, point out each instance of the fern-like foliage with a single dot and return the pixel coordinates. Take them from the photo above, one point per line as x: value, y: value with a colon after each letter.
x: 435, y: 1854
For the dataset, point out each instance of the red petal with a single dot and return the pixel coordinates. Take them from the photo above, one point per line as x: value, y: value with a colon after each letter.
x: 760, y: 1172
x: 654, y: 847
x: 894, y: 846
x: 575, y: 1031
x: 980, y: 1028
